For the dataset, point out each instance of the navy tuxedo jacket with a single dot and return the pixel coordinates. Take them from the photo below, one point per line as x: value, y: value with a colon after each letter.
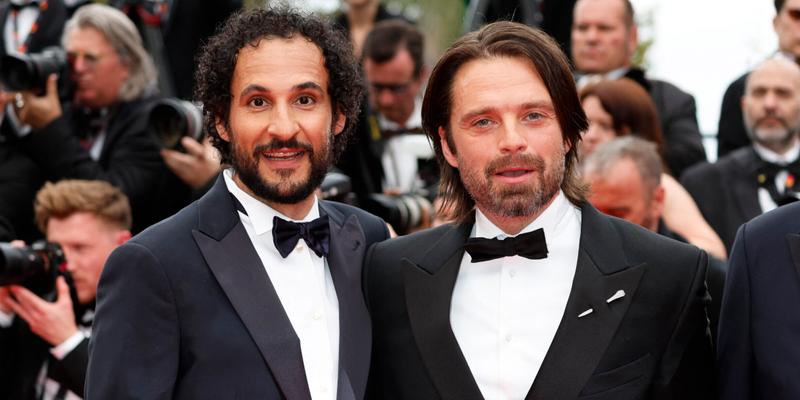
x: 186, y: 310
x: 759, y: 327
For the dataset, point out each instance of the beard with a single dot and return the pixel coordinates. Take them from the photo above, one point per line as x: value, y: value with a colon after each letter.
x: 515, y: 200
x: 770, y: 137
x: 284, y: 191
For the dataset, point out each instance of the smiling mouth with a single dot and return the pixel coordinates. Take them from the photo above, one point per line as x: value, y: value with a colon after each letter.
x: 283, y: 155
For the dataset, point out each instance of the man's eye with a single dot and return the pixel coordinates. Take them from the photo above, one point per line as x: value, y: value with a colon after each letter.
x: 534, y: 116
x: 258, y: 102
x: 482, y: 122
x: 305, y: 100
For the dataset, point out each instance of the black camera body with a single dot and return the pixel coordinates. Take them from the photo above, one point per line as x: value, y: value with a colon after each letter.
x: 29, y: 72
x: 171, y: 119
x: 35, y: 267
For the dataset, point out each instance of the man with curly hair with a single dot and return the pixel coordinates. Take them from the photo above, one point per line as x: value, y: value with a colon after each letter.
x: 254, y: 290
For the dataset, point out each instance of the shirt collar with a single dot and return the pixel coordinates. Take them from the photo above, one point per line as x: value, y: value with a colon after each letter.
x: 260, y: 214
x: 775, y: 158
x: 548, y: 220
x: 414, y: 121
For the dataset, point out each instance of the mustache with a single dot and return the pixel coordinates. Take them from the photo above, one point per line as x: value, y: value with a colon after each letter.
x: 772, y: 117
x: 530, y: 161
x: 277, y: 144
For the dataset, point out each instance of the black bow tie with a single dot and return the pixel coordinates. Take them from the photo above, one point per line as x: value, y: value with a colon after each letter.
x: 767, y: 172
x: 316, y: 233
x: 529, y: 245
x: 18, y: 7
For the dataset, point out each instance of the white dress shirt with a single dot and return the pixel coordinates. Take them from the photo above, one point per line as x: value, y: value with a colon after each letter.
x: 505, y: 312
x: 304, y: 285
x: 402, y: 152
x: 25, y: 19
x: 764, y: 198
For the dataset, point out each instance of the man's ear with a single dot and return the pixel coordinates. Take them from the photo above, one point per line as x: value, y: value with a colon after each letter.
x: 657, y: 202
x: 449, y: 155
x: 123, y: 236
x: 341, y: 120
x: 633, y: 40
x: 223, y: 133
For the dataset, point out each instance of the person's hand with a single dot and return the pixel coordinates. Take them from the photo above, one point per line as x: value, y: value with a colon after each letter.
x: 5, y: 298
x: 197, y: 166
x: 53, y: 322
x: 39, y: 111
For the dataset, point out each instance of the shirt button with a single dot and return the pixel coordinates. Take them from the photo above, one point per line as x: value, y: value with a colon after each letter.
x: 317, y: 315
x: 512, y: 273
x: 323, y: 389
x: 508, y: 338
x: 299, y: 247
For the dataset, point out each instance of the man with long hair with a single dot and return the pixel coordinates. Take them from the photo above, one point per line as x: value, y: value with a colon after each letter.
x: 532, y: 293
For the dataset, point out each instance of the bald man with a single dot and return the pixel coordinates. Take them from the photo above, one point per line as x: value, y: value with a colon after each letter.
x: 760, y: 177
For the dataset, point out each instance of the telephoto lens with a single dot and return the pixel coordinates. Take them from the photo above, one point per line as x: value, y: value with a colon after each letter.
x: 23, y: 72
x: 35, y: 267
x: 171, y: 119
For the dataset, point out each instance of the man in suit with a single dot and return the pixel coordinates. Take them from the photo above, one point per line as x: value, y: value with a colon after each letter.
x: 568, y: 302
x: 101, y: 133
x: 44, y: 341
x: 625, y: 179
x: 604, y: 38
x: 731, y: 132
x: 223, y: 300
x: 762, y: 176
x: 759, y: 339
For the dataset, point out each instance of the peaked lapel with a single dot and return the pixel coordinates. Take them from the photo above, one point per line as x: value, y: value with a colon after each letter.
x: 429, y: 282
x: 580, y: 342
x: 745, y: 189
x: 347, y: 246
x: 235, y: 264
x: 51, y: 24
x: 793, y: 240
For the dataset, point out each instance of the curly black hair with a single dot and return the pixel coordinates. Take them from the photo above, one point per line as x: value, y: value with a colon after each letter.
x: 217, y: 61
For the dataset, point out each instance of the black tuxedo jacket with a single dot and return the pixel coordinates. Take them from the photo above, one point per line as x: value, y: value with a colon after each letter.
x: 22, y: 355
x: 731, y: 132
x: 653, y: 344
x: 186, y: 310
x: 726, y: 191
x: 759, y: 329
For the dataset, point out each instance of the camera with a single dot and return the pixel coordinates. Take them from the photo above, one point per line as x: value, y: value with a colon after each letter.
x: 36, y: 266
x: 29, y: 72
x: 403, y: 212
x: 171, y: 119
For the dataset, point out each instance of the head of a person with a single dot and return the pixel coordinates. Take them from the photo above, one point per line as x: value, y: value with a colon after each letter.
x: 604, y: 35
x: 624, y: 176
x: 771, y: 104
x: 108, y: 62
x: 504, y: 118
x: 618, y: 107
x: 89, y: 219
x: 786, y: 24
x: 281, y: 92
x: 393, y: 65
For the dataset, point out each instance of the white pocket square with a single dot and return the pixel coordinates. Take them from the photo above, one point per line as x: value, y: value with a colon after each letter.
x: 620, y: 294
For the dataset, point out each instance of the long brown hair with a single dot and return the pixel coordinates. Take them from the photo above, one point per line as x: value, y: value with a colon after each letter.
x: 503, y: 39
x: 630, y: 107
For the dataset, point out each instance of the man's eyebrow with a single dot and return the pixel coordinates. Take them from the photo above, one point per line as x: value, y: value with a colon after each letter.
x: 533, y: 104
x: 258, y: 88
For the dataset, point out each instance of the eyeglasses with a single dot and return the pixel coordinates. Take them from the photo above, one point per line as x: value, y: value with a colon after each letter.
x: 399, y: 88
x: 89, y: 59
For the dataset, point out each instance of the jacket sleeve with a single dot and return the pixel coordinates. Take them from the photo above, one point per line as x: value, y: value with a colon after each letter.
x: 687, y: 366
x: 734, y: 347
x: 135, y: 335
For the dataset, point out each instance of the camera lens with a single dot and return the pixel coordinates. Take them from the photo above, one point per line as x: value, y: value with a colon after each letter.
x: 172, y: 119
x: 30, y: 72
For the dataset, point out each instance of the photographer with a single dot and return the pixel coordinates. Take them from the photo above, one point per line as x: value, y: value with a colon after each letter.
x: 102, y: 133
x: 44, y: 345
x: 390, y: 161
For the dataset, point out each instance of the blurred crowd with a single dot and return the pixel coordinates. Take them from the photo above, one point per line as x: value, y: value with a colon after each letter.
x: 100, y: 139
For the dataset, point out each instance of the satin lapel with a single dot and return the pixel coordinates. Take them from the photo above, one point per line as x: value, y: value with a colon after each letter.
x: 745, y: 191
x: 582, y: 338
x: 793, y: 239
x: 347, y: 248
x: 429, y: 282
x: 235, y: 264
